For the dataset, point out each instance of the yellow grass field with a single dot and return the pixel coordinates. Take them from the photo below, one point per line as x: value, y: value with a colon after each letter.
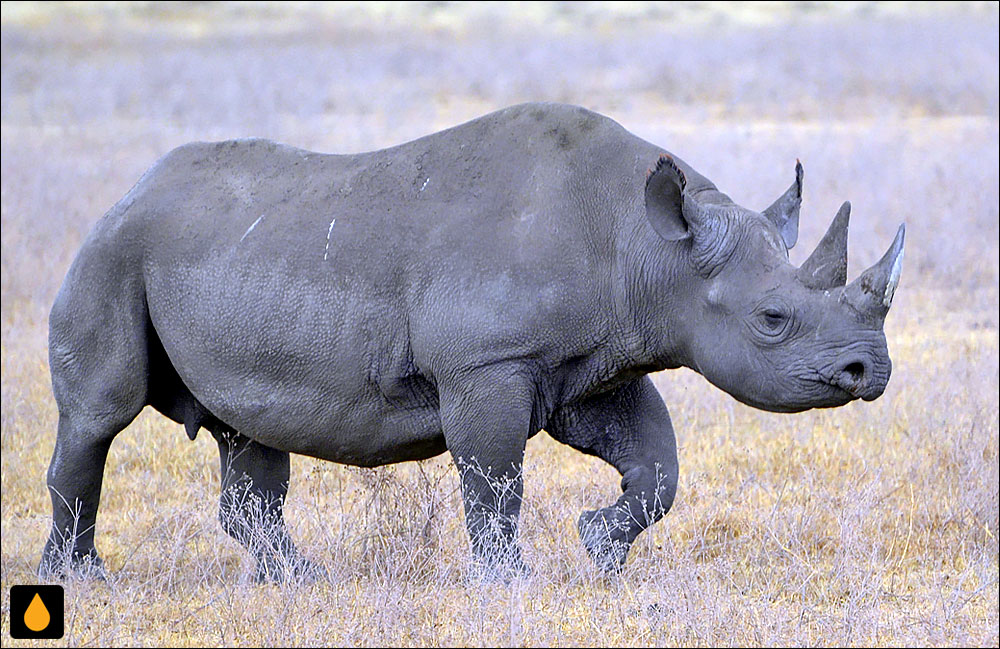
x: 871, y: 524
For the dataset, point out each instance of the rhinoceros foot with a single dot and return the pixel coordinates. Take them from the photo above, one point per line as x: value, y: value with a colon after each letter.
x: 605, y: 538
x: 275, y: 570
x: 490, y: 570
x: 61, y: 566
x: 487, y: 574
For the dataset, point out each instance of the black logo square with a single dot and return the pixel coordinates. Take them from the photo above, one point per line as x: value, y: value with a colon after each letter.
x: 36, y: 612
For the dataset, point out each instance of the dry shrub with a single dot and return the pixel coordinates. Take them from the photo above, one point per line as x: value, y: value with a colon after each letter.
x: 872, y: 524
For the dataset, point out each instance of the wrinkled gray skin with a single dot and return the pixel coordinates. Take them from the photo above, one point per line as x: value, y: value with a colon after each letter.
x: 524, y: 270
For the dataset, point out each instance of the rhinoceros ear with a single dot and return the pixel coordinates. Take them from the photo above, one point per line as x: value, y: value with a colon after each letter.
x: 784, y: 212
x: 665, y: 185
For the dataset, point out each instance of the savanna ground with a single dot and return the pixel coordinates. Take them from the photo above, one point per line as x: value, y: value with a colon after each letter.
x: 875, y: 523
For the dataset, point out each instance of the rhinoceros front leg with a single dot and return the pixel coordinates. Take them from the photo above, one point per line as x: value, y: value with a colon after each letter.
x: 254, y: 486
x: 630, y: 429
x: 486, y: 418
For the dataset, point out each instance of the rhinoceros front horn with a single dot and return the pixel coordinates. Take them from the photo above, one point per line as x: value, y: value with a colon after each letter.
x: 826, y: 267
x: 871, y: 293
x: 784, y: 212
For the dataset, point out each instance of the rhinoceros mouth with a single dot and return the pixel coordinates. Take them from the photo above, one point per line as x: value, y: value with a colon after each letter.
x: 817, y: 393
x: 858, y: 380
x: 853, y: 389
x: 848, y: 395
x: 826, y: 393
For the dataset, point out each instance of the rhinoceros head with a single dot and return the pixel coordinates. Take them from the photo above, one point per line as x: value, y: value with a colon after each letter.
x: 774, y: 336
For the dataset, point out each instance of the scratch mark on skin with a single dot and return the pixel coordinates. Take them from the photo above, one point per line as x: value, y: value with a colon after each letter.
x: 424, y: 186
x: 250, y: 229
x: 326, y: 251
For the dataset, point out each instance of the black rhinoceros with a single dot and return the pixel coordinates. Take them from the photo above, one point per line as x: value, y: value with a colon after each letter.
x: 460, y: 292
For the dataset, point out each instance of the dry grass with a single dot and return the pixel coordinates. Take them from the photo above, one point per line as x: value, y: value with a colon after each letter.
x: 872, y: 524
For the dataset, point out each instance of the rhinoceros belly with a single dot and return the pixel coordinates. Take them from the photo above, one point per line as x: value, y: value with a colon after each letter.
x: 317, y: 368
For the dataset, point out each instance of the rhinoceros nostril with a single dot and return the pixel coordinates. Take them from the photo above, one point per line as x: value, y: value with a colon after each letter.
x: 852, y: 377
x: 854, y: 372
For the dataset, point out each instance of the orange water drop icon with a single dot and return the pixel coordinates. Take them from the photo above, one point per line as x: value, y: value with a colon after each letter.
x: 36, y: 617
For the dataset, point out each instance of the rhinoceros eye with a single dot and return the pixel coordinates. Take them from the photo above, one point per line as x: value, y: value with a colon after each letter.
x: 772, y: 321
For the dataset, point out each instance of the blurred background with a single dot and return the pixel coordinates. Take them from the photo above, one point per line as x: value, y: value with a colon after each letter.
x: 893, y: 106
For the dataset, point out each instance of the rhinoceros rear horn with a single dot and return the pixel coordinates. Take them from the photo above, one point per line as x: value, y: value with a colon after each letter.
x: 784, y: 212
x: 826, y: 267
x: 871, y: 293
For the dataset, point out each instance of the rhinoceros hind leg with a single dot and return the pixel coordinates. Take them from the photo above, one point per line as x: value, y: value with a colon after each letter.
x: 99, y: 366
x: 75, y: 477
x: 254, y: 486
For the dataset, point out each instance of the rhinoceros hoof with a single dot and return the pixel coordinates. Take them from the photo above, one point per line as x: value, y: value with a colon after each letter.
x: 484, y: 572
x: 58, y: 566
x: 606, y: 543
x: 284, y: 570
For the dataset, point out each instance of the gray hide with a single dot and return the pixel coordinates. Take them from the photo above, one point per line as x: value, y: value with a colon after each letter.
x: 458, y: 293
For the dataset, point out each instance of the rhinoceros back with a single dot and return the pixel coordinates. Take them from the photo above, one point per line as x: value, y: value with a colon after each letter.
x: 296, y: 292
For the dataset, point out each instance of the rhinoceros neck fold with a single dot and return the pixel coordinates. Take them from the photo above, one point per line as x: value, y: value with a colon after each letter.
x: 650, y: 279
